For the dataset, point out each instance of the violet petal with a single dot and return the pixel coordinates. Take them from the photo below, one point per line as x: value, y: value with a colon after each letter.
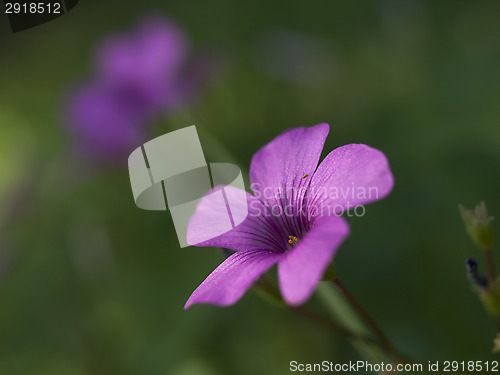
x: 281, y: 171
x: 302, y: 267
x: 228, y: 282
x: 350, y: 175
x: 259, y: 229
x: 101, y: 125
x: 289, y: 156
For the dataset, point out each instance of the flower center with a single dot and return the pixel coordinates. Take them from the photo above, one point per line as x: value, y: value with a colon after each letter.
x: 292, y: 240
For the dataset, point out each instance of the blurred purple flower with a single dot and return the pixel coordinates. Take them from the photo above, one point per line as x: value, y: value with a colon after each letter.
x: 293, y: 217
x: 145, y: 67
x: 102, y: 125
x: 139, y: 76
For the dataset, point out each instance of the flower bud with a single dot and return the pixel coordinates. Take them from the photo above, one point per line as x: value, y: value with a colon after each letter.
x: 478, y: 225
x: 477, y: 279
x: 496, y: 344
x: 491, y: 298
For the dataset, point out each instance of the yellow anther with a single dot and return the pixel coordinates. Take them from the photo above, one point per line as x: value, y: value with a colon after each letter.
x: 292, y: 240
x: 304, y: 176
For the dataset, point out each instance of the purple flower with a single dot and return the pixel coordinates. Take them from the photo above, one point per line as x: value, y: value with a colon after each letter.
x: 139, y: 76
x: 146, y: 66
x: 293, y: 217
x: 102, y: 126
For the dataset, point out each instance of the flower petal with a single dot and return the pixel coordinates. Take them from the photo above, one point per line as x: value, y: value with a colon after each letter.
x: 228, y: 282
x: 281, y: 171
x: 103, y: 127
x: 145, y: 64
x: 258, y: 231
x: 292, y: 154
x: 350, y: 175
x: 154, y: 51
x: 302, y: 268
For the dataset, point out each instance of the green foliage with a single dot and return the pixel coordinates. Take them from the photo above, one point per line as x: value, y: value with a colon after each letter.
x: 478, y: 225
x: 491, y: 298
x: 330, y: 273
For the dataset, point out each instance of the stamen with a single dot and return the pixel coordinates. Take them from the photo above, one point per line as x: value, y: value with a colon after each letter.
x: 292, y: 240
x: 304, y: 176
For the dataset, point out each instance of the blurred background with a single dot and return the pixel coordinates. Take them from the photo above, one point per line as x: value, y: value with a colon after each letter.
x: 90, y: 284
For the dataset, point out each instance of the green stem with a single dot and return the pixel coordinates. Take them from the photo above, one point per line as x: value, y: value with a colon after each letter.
x: 330, y: 324
x: 488, y: 253
x: 385, y: 342
x: 268, y: 290
x: 492, y: 275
